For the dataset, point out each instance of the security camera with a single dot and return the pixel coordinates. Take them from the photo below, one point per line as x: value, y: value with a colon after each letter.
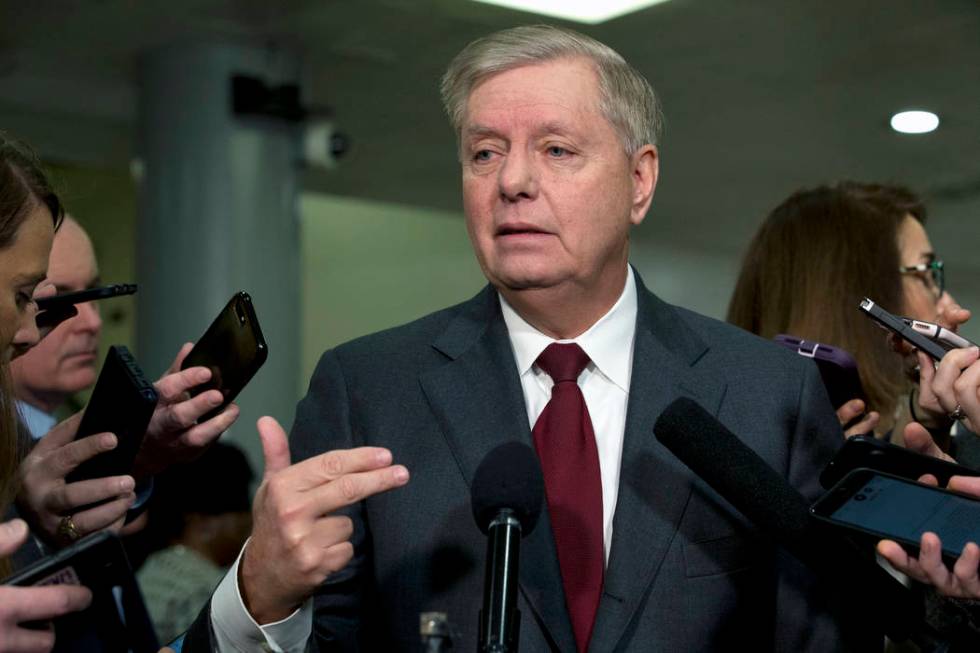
x: 323, y: 144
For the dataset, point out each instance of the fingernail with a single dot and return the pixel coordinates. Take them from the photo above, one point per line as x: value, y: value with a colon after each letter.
x: 383, y: 457
x: 216, y: 399
x: 108, y: 440
x: 203, y: 375
x: 400, y: 474
x: 127, y: 484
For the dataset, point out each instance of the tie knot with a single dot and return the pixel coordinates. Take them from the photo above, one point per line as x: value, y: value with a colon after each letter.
x: 563, y: 362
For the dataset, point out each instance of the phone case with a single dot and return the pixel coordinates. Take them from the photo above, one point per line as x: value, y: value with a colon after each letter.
x: 57, y: 302
x: 122, y: 403
x: 117, y: 620
x: 838, y: 369
x: 898, y: 326
x: 946, y: 339
x: 232, y: 348
x: 881, y: 456
x: 824, y: 508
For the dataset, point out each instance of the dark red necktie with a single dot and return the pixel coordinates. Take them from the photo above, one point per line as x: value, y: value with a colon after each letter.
x: 566, y: 445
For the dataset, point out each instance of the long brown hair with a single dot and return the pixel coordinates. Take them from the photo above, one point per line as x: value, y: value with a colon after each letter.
x: 812, y: 261
x: 23, y: 186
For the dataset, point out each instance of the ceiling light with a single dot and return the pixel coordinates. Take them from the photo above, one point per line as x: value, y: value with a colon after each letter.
x: 591, y: 12
x: 915, y: 122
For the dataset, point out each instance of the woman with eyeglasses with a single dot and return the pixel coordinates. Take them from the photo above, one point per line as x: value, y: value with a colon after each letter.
x: 816, y: 256
x: 29, y: 213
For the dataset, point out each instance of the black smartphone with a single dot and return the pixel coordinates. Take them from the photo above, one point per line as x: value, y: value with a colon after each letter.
x: 232, y: 348
x: 59, y: 302
x: 881, y: 456
x: 117, y: 620
x: 884, y: 506
x: 838, y: 369
x: 898, y: 326
x: 121, y: 403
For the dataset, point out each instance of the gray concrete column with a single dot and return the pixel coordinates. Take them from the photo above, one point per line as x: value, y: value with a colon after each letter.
x: 218, y: 214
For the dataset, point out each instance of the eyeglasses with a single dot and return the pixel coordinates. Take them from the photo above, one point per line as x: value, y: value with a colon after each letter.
x: 932, y: 274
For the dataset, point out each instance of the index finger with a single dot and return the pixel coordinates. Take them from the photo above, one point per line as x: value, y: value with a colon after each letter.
x: 351, y: 488
x: 43, y: 603
x: 60, y: 435
x: 331, y: 465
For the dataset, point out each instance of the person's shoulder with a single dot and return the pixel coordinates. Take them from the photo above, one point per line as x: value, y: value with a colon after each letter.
x: 414, y: 340
x: 738, y: 346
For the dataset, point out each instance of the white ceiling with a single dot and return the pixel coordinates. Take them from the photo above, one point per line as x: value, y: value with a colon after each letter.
x: 761, y: 97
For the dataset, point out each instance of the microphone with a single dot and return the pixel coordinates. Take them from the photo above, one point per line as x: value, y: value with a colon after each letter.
x: 506, y: 496
x: 760, y: 493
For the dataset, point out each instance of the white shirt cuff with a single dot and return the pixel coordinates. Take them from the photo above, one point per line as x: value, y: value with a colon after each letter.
x: 235, y: 629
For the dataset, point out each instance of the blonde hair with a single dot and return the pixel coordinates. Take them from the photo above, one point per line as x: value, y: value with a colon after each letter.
x: 626, y: 98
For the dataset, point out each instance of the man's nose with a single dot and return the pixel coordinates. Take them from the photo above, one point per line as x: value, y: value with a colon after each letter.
x: 518, y: 176
x: 88, y: 317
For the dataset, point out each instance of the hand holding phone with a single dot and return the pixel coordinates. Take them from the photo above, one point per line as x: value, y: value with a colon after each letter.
x: 882, y: 506
x: 899, y: 327
x: 838, y: 369
x: 961, y: 580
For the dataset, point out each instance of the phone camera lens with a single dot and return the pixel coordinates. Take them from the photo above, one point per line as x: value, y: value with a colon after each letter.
x: 241, y: 314
x: 859, y: 497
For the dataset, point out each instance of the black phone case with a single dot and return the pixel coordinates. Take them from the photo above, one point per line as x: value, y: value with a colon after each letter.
x: 881, y: 456
x: 117, y: 620
x: 232, y: 348
x: 122, y: 403
x: 843, y: 490
x: 62, y: 301
x: 898, y: 326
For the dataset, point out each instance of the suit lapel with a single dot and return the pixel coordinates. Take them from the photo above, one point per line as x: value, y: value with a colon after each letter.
x: 478, y: 401
x: 654, y: 486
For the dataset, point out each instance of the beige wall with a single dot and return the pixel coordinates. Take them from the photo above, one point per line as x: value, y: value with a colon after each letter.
x: 368, y: 266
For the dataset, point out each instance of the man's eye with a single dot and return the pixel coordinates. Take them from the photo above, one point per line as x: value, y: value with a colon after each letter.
x: 483, y: 156
x: 557, y: 151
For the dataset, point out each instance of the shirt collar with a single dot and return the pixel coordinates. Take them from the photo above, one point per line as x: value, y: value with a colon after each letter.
x: 37, y: 421
x: 608, y: 342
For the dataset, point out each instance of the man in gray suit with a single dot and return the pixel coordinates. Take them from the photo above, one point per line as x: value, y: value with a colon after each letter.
x: 558, y: 145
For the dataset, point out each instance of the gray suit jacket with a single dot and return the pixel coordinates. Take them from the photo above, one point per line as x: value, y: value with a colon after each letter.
x: 686, y: 572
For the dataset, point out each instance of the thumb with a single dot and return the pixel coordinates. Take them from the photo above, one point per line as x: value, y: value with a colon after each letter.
x: 12, y: 535
x: 275, y: 447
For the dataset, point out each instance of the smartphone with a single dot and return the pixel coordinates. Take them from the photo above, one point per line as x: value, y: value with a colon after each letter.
x: 885, y: 506
x: 898, y: 326
x: 121, y: 403
x: 838, y: 369
x: 59, y: 302
x: 232, y: 348
x: 117, y: 620
x: 882, y: 456
x: 947, y: 339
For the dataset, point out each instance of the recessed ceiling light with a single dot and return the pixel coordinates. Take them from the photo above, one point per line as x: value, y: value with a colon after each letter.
x: 591, y: 12
x: 915, y: 122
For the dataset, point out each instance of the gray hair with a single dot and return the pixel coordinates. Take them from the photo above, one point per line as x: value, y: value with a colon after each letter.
x: 626, y: 98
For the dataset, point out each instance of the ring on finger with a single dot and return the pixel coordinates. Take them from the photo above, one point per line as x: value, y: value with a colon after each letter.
x: 957, y: 413
x: 67, y: 529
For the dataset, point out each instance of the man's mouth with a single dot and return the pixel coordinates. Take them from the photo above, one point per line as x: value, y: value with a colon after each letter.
x: 520, y: 229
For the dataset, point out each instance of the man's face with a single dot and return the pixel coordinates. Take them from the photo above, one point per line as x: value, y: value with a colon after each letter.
x: 548, y: 190
x: 65, y: 361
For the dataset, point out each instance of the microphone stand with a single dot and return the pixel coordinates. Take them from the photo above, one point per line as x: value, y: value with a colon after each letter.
x: 500, y: 619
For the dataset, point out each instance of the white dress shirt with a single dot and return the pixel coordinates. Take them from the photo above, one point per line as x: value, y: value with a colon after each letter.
x: 605, y: 383
x: 37, y: 422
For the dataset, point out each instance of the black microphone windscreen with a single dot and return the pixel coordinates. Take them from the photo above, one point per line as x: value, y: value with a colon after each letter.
x: 735, y: 471
x: 508, y: 477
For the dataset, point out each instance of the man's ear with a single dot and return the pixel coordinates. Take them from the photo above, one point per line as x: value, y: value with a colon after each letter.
x: 645, y: 169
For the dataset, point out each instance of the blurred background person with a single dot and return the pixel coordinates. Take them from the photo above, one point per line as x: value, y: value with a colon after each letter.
x: 66, y: 360
x: 816, y: 256
x: 199, y: 518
